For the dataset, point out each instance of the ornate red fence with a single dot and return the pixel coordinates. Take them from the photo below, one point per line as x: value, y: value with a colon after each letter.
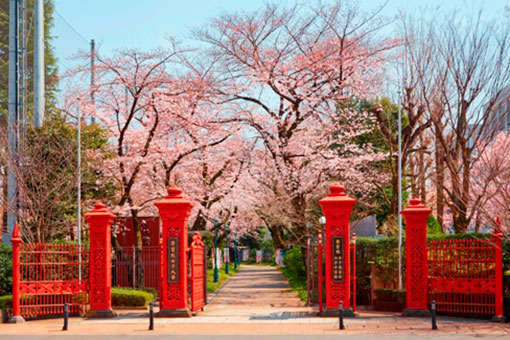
x: 197, y: 273
x: 463, y: 276
x: 51, y: 275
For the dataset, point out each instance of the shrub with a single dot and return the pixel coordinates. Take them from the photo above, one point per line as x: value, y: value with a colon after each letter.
x: 125, y: 297
x: 294, y: 263
x: 5, y: 269
x: 6, y: 301
x: 150, y: 290
x: 433, y: 226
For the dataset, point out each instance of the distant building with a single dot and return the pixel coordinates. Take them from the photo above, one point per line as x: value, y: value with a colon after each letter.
x: 365, y: 226
x: 502, y: 111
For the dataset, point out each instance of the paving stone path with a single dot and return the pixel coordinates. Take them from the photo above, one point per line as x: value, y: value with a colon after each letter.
x: 256, y: 293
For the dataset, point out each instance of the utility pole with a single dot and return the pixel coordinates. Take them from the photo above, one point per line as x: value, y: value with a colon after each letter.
x: 38, y: 63
x: 92, y: 75
x: 399, y: 194
x: 22, y: 71
x: 12, y: 126
x: 78, y: 227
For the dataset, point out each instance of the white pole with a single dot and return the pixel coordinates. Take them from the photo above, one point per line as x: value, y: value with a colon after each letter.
x: 92, y: 74
x: 78, y: 228
x: 12, y: 188
x: 399, y: 194
x: 39, y: 63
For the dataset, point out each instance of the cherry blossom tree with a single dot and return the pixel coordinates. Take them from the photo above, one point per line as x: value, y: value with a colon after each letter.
x: 288, y: 69
x: 490, y: 178
x: 166, y: 127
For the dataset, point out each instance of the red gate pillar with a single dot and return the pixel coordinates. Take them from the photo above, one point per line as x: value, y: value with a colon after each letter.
x: 100, y: 221
x: 337, y: 208
x: 497, y: 242
x: 174, y: 211
x: 16, y: 310
x: 417, y: 269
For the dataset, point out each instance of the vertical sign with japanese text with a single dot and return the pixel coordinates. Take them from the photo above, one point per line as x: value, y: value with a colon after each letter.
x: 173, y: 259
x: 338, y: 258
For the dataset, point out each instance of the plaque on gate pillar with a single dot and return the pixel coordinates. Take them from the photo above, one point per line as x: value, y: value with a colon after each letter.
x: 173, y: 260
x: 338, y: 258
x: 337, y: 208
x: 173, y: 289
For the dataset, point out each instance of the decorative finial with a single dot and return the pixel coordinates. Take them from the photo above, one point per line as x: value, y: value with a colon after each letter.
x: 336, y: 190
x: 174, y: 192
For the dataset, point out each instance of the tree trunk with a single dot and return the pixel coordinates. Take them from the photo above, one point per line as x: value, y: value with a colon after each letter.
x: 277, y: 235
x: 440, y: 167
x: 140, y: 270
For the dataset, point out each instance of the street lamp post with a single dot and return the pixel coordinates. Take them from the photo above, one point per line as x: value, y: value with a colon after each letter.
x: 399, y: 194
x: 216, y: 274
x: 236, y: 255
x: 226, y: 248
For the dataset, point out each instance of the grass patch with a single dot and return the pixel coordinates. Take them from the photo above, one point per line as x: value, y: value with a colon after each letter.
x: 297, y: 284
x: 126, y: 297
x: 222, y: 278
x: 6, y: 301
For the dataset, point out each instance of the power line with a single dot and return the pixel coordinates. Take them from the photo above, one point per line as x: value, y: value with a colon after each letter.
x: 71, y: 26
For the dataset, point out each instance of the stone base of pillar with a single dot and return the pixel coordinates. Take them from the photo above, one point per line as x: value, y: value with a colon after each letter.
x: 416, y: 313
x: 498, y: 318
x: 16, y: 319
x: 174, y: 313
x: 101, y: 314
x: 332, y: 312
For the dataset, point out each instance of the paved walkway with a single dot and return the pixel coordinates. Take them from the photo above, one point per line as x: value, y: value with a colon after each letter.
x: 257, y: 301
x: 255, y: 293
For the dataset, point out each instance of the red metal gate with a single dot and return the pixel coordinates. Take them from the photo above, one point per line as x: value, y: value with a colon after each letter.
x: 465, y: 276
x: 197, y: 273
x: 130, y: 267
x: 51, y: 275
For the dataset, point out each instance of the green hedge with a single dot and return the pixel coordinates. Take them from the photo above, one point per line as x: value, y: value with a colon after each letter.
x: 5, y: 269
x: 125, y: 297
x: 6, y: 301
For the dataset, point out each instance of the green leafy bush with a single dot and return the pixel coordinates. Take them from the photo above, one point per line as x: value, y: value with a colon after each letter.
x: 6, y: 301
x: 150, y: 290
x: 294, y: 263
x: 125, y: 297
x: 5, y: 269
x: 433, y: 226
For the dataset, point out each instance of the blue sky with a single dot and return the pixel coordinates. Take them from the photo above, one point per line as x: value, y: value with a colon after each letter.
x: 145, y: 24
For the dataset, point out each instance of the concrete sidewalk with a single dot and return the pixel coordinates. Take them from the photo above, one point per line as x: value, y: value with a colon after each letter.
x: 257, y: 301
